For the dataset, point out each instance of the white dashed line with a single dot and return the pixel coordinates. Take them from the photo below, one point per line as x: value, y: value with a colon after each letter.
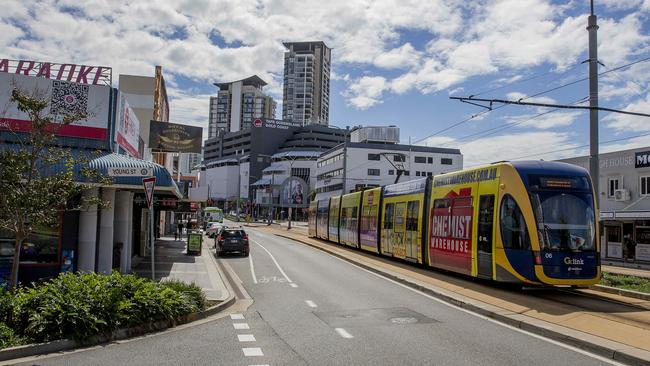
x: 293, y: 285
x: 237, y: 316
x: 250, y: 260
x: 259, y: 365
x: 253, y: 351
x: 241, y: 326
x: 311, y: 304
x: 246, y: 337
x: 274, y: 261
x: 343, y: 333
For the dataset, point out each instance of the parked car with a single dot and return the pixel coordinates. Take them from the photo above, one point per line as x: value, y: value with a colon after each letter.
x: 213, y: 229
x: 232, y: 240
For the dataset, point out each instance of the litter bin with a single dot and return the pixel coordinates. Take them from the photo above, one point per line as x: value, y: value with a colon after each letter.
x: 194, y: 243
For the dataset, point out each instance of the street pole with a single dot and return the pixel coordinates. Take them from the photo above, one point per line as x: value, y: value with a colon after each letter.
x: 153, y: 262
x: 238, y: 184
x: 592, y: 28
x: 345, y: 157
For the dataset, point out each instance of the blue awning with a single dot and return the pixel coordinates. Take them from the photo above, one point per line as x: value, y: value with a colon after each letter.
x: 164, y: 180
x: 102, y: 160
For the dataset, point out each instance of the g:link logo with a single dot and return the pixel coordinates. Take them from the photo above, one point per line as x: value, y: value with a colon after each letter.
x: 569, y: 260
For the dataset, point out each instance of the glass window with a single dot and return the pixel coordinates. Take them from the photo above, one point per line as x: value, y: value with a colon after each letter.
x: 513, y: 227
x: 42, y: 246
x: 388, y: 216
x: 407, y: 173
x: 446, y: 161
x: 420, y: 159
x: 644, y: 188
x: 373, y: 171
x: 412, y: 215
x: 400, y: 158
x: 417, y: 173
x: 430, y: 160
x: 612, y: 186
x: 374, y: 157
x: 391, y: 172
x: 565, y: 220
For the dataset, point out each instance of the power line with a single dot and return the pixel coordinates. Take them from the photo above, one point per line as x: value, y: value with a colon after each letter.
x: 532, y: 96
x: 567, y: 149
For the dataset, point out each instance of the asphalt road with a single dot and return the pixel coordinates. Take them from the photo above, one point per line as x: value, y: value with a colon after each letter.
x: 314, y: 309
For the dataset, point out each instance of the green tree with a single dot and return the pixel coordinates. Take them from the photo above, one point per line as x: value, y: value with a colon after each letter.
x: 37, y: 180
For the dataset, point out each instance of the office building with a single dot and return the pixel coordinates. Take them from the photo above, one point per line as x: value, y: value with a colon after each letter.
x: 237, y: 104
x: 306, y: 92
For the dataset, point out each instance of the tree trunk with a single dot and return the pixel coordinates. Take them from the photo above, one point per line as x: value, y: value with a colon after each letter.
x: 16, y: 262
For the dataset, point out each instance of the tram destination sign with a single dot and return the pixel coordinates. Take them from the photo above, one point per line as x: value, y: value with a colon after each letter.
x: 129, y: 172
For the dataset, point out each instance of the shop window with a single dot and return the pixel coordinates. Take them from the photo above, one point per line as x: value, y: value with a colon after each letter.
x: 41, y: 247
x: 644, y: 187
x: 612, y: 186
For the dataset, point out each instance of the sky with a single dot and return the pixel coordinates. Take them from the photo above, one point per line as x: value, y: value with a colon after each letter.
x: 393, y: 62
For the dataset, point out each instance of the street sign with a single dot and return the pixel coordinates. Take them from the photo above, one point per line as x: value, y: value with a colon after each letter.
x: 129, y: 172
x: 149, y: 185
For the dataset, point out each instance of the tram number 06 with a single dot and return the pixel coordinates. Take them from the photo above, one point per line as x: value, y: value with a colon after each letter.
x: 548, y: 255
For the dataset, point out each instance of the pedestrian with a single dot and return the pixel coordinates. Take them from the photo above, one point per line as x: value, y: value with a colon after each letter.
x: 176, y: 232
x: 180, y: 231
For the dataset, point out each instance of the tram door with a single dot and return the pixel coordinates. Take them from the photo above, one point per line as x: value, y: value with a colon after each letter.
x: 485, y: 231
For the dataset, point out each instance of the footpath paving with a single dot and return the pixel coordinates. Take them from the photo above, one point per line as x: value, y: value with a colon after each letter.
x: 620, y: 328
x: 627, y: 271
x: 172, y: 262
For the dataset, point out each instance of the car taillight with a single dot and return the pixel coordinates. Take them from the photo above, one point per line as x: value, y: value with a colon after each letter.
x: 219, y: 238
x: 245, y: 236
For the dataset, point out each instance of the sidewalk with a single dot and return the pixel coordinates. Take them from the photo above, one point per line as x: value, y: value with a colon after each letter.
x: 626, y: 271
x: 172, y: 262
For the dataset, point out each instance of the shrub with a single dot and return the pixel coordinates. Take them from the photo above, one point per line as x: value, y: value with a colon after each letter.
x: 194, y: 292
x: 81, y: 305
x: 8, y: 338
x: 6, y: 305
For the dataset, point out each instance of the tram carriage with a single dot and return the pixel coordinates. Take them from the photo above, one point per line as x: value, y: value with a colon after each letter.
x: 529, y: 222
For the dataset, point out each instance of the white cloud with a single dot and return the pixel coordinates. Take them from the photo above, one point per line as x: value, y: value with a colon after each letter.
x: 630, y: 123
x: 401, y: 57
x: 545, y: 121
x: 519, y: 146
x: 365, y: 92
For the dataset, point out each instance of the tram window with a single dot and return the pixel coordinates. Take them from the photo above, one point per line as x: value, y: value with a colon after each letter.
x: 441, y: 203
x: 388, y: 216
x: 412, y: 215
x: 513, y: 226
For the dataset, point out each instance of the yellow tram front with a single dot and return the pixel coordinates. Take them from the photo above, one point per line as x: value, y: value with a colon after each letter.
x: 547, y: 229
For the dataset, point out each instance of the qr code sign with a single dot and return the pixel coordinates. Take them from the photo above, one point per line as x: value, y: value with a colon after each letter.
x: 68, y: 98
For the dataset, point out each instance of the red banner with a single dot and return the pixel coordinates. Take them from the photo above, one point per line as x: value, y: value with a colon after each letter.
x: 450, y: 244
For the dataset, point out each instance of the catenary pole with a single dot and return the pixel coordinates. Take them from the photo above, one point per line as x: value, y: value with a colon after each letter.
x: 592, y: 28
x: 345, y: 157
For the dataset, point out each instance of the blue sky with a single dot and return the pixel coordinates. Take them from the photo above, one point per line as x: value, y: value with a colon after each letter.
x: 394, y: 62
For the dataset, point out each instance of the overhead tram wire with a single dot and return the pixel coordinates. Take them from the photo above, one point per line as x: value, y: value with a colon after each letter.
x: 531, y: 96
x: 565, y: 149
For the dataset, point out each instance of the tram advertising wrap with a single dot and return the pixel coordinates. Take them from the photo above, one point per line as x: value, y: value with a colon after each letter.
x: 528, y: 222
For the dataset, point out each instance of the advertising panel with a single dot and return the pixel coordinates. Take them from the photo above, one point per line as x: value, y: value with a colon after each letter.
x: 451, y: 231
x: 127, y: 131
x: 64, y: 99
x: 80, y: 74
x: 173, y: 137
x: 275, y: 123
x: 294, y: 193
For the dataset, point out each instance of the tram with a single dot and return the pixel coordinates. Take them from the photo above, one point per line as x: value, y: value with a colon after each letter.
x: 528, y: 222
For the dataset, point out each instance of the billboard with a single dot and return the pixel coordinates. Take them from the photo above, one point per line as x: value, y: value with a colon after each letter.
x: 173, y: 137
x: 274, y: 123
x: 294, y: 193
x: 127, y: 131
x: 80, y: 74
x: 64, y: 98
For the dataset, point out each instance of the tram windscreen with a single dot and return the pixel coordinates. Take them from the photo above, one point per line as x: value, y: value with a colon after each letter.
x: 565, y: 220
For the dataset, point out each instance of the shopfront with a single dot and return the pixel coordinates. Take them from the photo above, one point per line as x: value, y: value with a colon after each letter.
x: 627, y: 240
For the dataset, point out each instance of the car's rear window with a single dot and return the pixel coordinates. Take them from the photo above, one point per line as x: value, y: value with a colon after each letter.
x: 233, y: 233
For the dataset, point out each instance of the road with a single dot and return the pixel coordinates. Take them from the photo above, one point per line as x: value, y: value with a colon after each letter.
x: 313, y: 309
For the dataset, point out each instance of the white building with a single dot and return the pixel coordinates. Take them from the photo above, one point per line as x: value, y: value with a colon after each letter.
x: 374, y: 158
x: 285, y: 164
x: 237, y: 104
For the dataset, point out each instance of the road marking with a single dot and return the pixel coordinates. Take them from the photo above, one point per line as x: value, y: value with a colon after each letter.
x: 274, y: 261
x: 311, y: 304
x: 237, y: 316
x: 250, y: 260
x: 241, y: 326
x: 252, y: 352
x: 343, y: 333
x: 294, y: 285
x: 566, y: 346
x: 246, y: 337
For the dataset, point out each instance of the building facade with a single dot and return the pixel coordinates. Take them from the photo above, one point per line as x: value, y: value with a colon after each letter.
x: 237, y: 104
x: 306, y: 90
x: 624, y: 204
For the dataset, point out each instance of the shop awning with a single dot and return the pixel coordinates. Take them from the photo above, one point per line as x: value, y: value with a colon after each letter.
x: 164, y: 180
x: 297, y: 154
x: 274, y: 168
x: 262, y: 182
